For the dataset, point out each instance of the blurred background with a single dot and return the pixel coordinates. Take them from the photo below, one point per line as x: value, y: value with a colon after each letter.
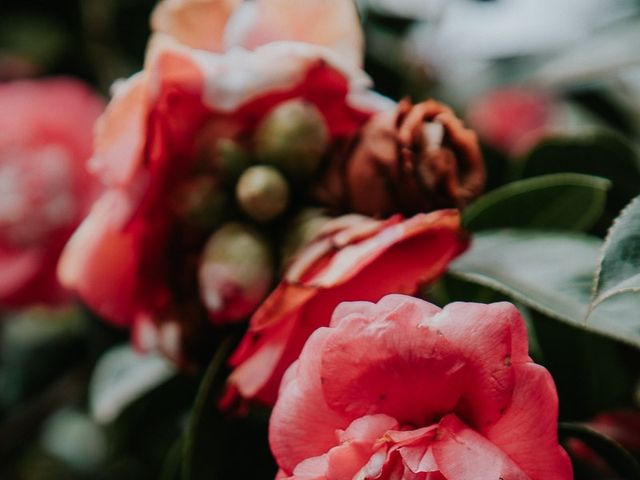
x: 559, y: 68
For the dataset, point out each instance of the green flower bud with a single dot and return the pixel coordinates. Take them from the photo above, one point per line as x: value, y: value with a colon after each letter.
x: 303, y: 229
x: 199, y: 201
x: 235, y: 273
x: 262, y: 193
x: 233, y: 159
x: 293, y: 137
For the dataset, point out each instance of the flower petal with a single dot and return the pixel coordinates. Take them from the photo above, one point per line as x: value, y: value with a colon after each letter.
x: 99, y: 262
x: 463, y: 454
x: 302, y: 425
x: 369, y: 362
x: 398, y: 259
x: 335, y: 25
x: 195, y: 23
x: 527, y: 431
x: 491, y: 339
x: 18, y: 269
x: 120, y: 133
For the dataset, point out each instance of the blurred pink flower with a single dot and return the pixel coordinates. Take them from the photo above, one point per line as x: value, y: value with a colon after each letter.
x: 404, y: 389
x: 46, y: 130
x: 511, y: 119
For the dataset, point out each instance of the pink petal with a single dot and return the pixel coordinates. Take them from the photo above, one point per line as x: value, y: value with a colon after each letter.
x: 99, y: 262
x: 527, y: 431
x: 491, y: 338
x: 463, y: 454
x: 121, y: 131
x: 195, y: 23
x: 302, y: 425
x: 18, y: 268
x: 335, y: 25
x: 382, y: 363
x: 31, y: 114
x: 54, y: 191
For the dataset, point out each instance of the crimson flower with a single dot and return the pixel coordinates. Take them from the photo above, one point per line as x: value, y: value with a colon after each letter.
x: 353, y: 258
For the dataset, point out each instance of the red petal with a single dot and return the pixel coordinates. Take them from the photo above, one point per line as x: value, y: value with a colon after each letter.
x: 463, y: 454
x: 302, y: 425
x: 121, y: 131
x: 527, y: 431
x: 100, y: 261
x: 491, y: 338
x: 397, y: 260
x: 382, y: 363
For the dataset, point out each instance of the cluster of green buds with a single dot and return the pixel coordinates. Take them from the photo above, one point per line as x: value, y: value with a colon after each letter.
x: 246, y: 184
x: 288, y: 146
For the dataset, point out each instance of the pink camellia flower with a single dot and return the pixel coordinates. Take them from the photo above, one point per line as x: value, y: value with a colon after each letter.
x: 402, y: 389
x: 512, y: 119
x: 218, y: 25
x: 353, y: 258
x: 45, y: 140
x: 170, y: 147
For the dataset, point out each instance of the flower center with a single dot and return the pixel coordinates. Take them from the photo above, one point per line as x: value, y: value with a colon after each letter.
x: 36, y: 196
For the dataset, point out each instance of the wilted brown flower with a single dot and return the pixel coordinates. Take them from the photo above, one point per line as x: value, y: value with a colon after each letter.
x: 415, y: 159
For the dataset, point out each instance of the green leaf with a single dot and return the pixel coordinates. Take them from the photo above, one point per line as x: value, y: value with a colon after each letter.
x: 551, y: 273
x: 562, y: 201
x: 602, y: 153
x: 121, y: 377
x: 219, y: 445
x: 36, y: 346
x: 591, y: 372
x: 172, y: 465
x: 604, y: 104
x: 75, y: 439
x: 619, y: 459
x: 203, y: 421
x: 619, y: 270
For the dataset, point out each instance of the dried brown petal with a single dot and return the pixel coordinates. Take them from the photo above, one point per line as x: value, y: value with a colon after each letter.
x: 416, y: 159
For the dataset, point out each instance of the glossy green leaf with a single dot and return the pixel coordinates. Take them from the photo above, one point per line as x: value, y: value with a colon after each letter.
x: 601, y: 153
x: 619, y: 459
x: 562, y: 201
x: 587, y: 383
x: 121, y: 377
x: 619, y: 270
x: 551, y: 273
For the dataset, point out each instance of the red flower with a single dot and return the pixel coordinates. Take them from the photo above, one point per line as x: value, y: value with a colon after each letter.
x: 45, y: 139
x: 135, y: 259
x: 403, y: 389
x: 356, y: 258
